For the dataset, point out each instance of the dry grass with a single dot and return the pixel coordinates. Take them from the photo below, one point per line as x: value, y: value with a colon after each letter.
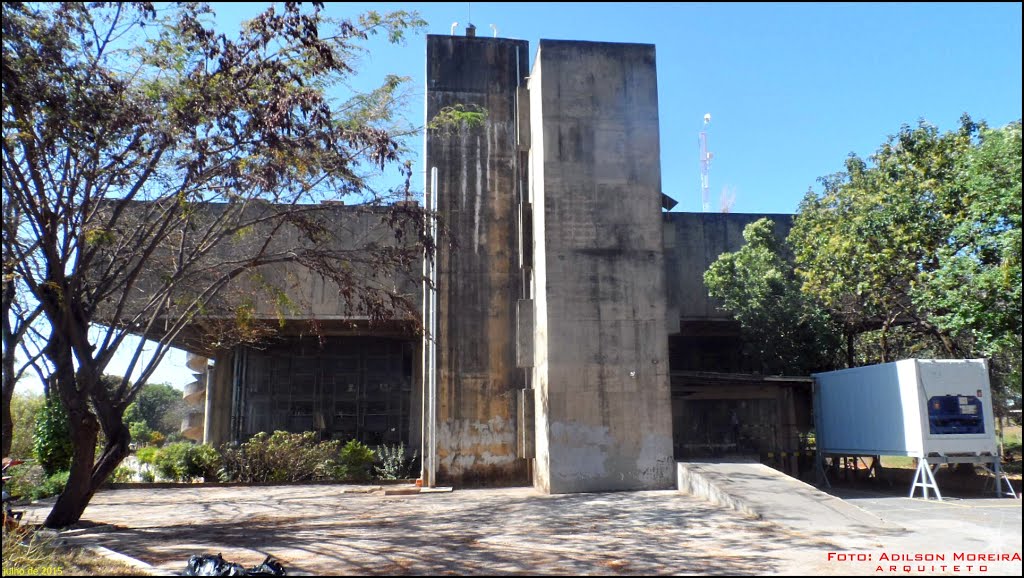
x: 28, y: 552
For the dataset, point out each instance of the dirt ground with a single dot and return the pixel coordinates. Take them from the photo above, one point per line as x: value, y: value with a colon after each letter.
x: 343, y: 530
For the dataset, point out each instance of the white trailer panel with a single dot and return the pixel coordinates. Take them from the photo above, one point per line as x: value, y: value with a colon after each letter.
x: 913, y: 407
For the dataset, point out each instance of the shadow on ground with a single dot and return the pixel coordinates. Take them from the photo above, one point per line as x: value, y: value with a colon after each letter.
x: 321, y: 530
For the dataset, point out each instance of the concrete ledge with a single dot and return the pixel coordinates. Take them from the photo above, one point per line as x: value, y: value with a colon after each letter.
x: 159, y: 485
x: 135, y: 564
x: 764, y: 493
x: 691, y: 481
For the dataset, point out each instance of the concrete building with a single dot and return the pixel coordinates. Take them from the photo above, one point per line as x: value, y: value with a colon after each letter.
x: 573, y: 326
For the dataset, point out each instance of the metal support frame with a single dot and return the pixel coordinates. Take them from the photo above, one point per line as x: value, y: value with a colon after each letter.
x: 999, y: 478
x: 924, y: 478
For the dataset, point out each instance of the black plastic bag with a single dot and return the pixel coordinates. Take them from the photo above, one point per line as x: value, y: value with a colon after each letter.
x: 207, y: 565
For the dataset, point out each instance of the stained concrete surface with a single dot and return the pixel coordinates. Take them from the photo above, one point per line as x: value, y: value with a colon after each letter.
x: 320, y: 530
x: 874, y: 525
x: 347, y: 530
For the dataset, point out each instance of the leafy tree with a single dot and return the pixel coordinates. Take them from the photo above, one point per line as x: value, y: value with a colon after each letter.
x: 785, y: 329
x: 24, y: 408
x: 151, y: 161
x: 159, y: 407
x: 862, y: 244
x: 920, y: 251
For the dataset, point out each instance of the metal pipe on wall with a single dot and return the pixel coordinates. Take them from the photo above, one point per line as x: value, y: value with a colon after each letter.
x: 429, y: 441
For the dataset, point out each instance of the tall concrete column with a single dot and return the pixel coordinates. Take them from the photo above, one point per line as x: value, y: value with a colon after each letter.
x: 219, y: 419
x: 478, y: 270
x: 603, y: 408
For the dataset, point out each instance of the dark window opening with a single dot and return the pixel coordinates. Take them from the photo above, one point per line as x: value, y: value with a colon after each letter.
x: 955, y: 414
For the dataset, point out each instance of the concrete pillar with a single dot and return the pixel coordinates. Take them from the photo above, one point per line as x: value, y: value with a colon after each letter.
x: 478, y: 269
x: 219, y: 405
x: 603, y: 409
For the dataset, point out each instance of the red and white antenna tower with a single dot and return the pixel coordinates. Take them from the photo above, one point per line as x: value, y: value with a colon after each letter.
x: 705, y: 164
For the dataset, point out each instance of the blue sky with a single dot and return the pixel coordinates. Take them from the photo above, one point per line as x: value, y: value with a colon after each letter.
x: 792, y: 88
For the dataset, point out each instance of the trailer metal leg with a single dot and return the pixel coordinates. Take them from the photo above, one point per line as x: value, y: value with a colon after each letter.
x: 821, y: 473
x: 998, y: 479
x: 924, y: 479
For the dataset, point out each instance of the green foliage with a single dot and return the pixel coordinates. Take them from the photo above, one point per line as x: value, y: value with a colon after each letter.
x: 139, y: 431
x: 122, y: 475
x: 51, y: 486
x: 147, y: 455
x: 451, y: 119
x: 24, y: 480
x: 24, y: 409
x: 393, y: 463
x: 785, y: 330
x: 355, y: 461
x: 280, y: 457
x: 920, y: 252
x: 53, y: 448
x: 186, y: 462
x: 159, y: 406
x: 156, y: 438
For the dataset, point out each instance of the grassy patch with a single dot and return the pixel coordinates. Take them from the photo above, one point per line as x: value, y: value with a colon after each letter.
x: 30, y: 553
x: 899, y: 462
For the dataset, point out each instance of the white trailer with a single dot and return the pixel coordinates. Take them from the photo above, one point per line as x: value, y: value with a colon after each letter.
x: 936, y: 410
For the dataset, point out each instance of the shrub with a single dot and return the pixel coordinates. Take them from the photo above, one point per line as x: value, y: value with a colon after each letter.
x: 53, y: 446
x: 24, y: 409
x: 147, y: 455
x: 393, y: 463
x: 139, y: 431
x: 185, y: 462
x: 280, y: 457
x: 355, y: 462
x: 24, y: 480
x: 147, y: 476
x: 52, y: 486
x: 122, y: 475
x: 156, y: 438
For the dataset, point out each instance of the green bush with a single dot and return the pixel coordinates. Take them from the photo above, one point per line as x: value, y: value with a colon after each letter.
x: 24, y: 480
x: 147, y: 455
x: 147, y: 476
x: 157, y: 439
x: 185, y: 462
x: 280, y: 457
x: 169, y: 462
x: 139, y: 432
x: 355, y: 462
x: 24, y: 409
x: 393, y: 463
x: 53, y: 446
x: 122, y: 475
x: 52, y: 486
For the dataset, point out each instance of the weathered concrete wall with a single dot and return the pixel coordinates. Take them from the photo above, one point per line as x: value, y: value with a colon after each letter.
x: 693, y: 241
x: 219, y: 431
x: 602, y: 388
x: 478, y: 269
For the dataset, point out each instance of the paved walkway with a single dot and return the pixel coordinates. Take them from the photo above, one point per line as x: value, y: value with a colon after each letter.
x: 321, y: 530
x: 350, y: 530
x: 876, y: 529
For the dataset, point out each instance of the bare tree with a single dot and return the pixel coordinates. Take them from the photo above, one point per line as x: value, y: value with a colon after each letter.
x: 154, y: 163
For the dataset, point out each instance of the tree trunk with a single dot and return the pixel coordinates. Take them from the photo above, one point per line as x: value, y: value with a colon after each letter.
x: 79, y: 489
x: 8, y: 385
x: 849, y: 348
x: 87, y: 474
